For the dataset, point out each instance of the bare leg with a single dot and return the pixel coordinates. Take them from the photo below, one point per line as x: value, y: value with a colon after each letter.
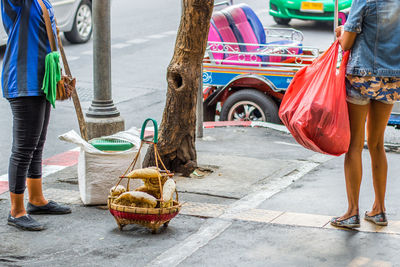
x: 353, y: 161
x: 17, y: 205
x: 35, y: 192
x: 378, y: 117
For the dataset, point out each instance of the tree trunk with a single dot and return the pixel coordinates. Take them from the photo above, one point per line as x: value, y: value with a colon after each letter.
x: 177, y: 134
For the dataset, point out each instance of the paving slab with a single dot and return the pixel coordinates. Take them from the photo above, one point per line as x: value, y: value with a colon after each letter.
x: 234, y: 176
x: 322, y: 191
x: 247, y: 243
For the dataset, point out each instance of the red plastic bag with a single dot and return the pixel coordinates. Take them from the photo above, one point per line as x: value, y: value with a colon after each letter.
x: 314, y: 107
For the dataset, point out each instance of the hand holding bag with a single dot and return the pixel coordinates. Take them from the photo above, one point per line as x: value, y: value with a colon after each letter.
x: 314, y: 107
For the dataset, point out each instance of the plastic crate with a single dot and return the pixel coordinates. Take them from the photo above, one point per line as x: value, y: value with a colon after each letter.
x: 111, y: 144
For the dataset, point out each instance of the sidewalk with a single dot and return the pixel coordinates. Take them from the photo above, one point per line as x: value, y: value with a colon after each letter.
x: 267, y: 203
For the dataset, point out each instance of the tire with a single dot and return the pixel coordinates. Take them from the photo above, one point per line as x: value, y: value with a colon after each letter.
x: 83, y: 24
x: 209, y: 112
x: 282, y: 21
x: 260, y: 107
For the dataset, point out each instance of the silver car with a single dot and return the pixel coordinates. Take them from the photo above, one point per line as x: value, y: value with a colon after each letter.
x: 74, y: 18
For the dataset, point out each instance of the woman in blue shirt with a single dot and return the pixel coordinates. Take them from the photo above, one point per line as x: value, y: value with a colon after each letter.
x: 372, y: 32
x: 22, y: 77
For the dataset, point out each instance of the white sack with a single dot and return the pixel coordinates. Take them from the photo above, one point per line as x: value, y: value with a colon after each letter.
x: 98, y: 170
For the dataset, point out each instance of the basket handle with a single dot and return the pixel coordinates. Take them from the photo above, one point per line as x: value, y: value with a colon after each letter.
x: 155, y: 129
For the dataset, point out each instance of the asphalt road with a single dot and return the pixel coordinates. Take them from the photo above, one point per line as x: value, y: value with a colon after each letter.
x: 143, y: 37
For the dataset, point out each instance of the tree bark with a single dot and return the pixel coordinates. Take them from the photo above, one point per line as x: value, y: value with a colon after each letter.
x: 177, y: 133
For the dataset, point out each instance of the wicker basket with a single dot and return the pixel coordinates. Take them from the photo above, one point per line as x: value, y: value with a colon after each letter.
x: 152, y: 218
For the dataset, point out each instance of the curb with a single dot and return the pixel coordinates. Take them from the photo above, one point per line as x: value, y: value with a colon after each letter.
x: 50, y: 165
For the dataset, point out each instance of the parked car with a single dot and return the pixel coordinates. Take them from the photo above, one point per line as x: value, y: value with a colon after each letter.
x: 283, y: 11
x: 74, y: 18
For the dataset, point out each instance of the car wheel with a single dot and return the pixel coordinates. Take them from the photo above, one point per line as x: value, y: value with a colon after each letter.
x: 250, y: 105
x: 83, y: 24
x: 281, y: 21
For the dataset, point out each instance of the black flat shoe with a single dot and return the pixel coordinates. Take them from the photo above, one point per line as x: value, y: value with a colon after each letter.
x: 50, y: 208
x: 351, y: 222
x: 378, y: 219
x: 25, y: 222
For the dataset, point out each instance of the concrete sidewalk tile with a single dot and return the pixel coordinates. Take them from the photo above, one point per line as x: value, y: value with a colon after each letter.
x: 370, y: 227
x: 392, y: 228
x: 203, y: 209
x: 257, y: 215
x: 359, y: 261
x: 302, y: 219
x: 364, y: 261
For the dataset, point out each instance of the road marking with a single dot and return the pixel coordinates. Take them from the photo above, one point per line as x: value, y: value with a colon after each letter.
x: 178, y: 253
x: 72, y: 58
x: 156, y: 36
x: 67, y: 159
x: 170, y: 32
x: 120, y: 45
x: 89, y: 52
x: 4, y: 178
x: 261, y: 11
x: 285, y: 143
x: 137, y: 41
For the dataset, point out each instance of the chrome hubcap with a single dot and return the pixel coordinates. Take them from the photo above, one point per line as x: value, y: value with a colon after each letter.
x: 84, y: 21
x: 246, y: 111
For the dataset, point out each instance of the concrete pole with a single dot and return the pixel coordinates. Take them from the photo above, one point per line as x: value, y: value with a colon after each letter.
x: 103, y: 118
x: 199, y: 108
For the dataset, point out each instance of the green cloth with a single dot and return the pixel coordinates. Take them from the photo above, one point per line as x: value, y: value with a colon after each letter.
x: 52, y: 76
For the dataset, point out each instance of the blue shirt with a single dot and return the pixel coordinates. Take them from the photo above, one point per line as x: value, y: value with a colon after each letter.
x: 376, y: 50
x: 27, y: 47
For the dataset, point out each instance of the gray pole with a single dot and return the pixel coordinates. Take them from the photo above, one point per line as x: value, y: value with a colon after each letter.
x: 199, y: 108
x: 336, y: 18
x: 103, y: 117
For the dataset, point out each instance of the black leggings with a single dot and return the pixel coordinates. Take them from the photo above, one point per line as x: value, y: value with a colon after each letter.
x: 30, y: 119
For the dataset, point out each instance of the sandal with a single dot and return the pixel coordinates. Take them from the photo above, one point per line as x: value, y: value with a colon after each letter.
x: 351, y: 222
x: 378, y: 219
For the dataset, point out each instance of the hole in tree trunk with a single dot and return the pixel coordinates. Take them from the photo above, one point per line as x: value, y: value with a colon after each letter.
x: 177, y: 78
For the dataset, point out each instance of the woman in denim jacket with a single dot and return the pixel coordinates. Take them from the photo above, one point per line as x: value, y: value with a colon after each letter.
x: 372, y: 32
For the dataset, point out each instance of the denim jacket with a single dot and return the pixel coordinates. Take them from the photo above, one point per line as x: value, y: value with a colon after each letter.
x: 376, y: 50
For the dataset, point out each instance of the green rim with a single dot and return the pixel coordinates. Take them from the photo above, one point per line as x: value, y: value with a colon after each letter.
x: 111, y: 144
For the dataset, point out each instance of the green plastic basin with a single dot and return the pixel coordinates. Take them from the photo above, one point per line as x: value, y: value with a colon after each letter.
x: 111, y: 144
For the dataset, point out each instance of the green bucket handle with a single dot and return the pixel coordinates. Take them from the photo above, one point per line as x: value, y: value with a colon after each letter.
x: 155, y: 129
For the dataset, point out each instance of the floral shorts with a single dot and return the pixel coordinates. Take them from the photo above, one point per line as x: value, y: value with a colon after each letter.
x: 361, y: 90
